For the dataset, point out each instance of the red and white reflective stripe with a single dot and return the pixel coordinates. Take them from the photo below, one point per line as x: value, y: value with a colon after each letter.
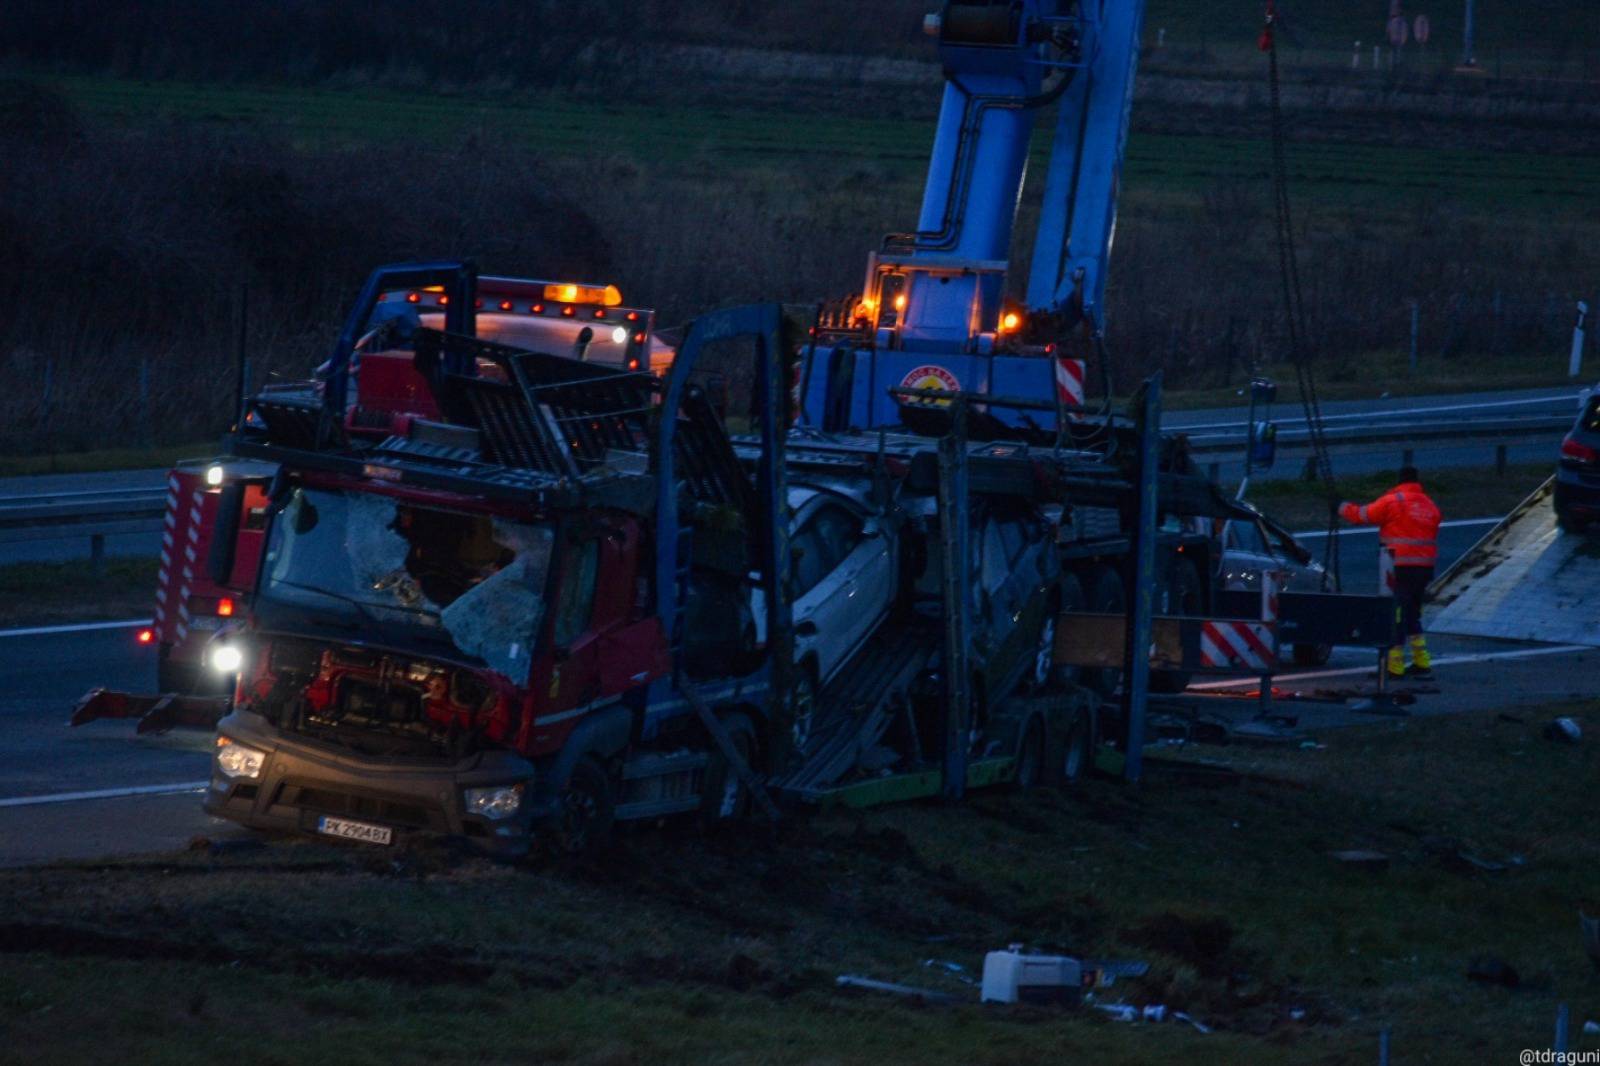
x: 190, y: 554
x: 1228, y: 645
x: 169, y: 523
x: 1236, y: 645
x: 1069, y: 380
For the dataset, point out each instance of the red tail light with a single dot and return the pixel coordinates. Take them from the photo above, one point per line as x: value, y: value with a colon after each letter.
x: 225, y: 607
x: 146, y: 636
x: 1571, y: 449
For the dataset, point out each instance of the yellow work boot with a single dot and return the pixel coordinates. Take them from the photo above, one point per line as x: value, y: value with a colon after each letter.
x: 1397, y: 662
x: 1421, y: 661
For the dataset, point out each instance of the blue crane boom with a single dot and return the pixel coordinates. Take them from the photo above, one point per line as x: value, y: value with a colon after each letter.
x: 934, y: 311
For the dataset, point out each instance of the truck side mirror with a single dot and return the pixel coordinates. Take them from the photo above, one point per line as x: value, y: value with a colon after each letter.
x: 225, y: 533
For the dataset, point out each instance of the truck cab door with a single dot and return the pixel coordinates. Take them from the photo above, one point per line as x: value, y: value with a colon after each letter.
x: 575, y: 674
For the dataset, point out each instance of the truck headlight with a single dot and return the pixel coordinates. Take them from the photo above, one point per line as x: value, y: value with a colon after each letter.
x: 226, y: 658
x: 496, y: 802
x: 213, y: 476
x: 236, y: 760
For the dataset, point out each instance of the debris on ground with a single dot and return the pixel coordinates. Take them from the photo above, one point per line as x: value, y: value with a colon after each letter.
x: 1361, y: 860
x: 1013, y: 976
x: 1151, y: 1012
x: 1493, y: 970
x: 925, y: 995
x: 1564, y: 730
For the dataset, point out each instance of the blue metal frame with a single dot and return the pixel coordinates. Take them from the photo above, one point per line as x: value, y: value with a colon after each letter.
x: 762, y: 323
x: 459, y: 278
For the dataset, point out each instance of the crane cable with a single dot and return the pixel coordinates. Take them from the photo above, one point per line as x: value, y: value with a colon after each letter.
x: 1294, y: 301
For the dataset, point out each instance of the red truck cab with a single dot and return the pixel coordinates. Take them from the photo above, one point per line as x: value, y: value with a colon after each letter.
x: 414, y: 659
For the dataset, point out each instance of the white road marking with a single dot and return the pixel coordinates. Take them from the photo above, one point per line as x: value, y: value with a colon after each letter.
x: 1448, y: 660
x: 1454, y: 523
x: 107, y: 793
x: 75, y: 627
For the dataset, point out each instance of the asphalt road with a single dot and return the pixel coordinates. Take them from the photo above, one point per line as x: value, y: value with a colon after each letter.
x: 41, y: 678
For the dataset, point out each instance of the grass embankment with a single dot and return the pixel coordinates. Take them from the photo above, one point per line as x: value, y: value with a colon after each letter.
x: 102, y: 459
x: 1463, y: 492
x: 46, y: 593
x: 675, y: 948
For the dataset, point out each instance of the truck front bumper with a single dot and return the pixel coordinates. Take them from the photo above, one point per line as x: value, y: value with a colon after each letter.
x: 300, y: 783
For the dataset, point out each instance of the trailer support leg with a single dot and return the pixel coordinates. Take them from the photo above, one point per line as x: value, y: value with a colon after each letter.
x: 1137, y: 655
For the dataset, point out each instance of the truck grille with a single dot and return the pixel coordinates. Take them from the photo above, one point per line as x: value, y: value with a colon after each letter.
x: 395, y: 811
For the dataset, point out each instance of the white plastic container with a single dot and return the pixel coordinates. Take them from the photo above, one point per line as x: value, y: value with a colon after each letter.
x: 1012, y: 977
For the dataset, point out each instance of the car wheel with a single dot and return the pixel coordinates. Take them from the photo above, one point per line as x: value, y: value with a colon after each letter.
x: 723, y: 796
x: 1106, y: 596
x: 805, y: 706
x: 1030, y: 757
x: 1312, y: 654
x: 1568, y: 522
x: 1182, y: 590
x: 583, y: 823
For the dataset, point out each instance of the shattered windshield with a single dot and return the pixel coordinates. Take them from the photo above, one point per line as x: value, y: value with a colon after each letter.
x: 476, y: 579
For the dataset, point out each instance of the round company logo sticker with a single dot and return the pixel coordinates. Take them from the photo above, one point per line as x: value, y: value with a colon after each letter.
x: 933, y: 378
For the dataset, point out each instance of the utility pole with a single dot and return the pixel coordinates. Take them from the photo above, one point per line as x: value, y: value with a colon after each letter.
x: 1468, y: 53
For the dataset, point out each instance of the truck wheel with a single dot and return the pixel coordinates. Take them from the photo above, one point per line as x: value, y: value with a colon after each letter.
x: 583, y: 825
x: 723, y: 797
x: 1312, y: 654
x: 1030, y: 757
x: 1182, y: 589
x: 1106, y: 596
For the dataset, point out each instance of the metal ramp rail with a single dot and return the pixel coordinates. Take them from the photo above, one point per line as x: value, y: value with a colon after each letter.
x: 858, y: 706
x: 1524, y: 580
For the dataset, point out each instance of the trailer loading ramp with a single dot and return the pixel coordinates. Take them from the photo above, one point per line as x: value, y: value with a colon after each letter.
x: 1525, y: 580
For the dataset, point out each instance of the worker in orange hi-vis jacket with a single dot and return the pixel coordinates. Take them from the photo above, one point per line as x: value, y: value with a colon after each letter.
x: 1408, y: 527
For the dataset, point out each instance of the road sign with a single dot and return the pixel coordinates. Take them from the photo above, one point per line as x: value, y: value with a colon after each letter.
x: 1399, y: 31
x: 1421, y: 28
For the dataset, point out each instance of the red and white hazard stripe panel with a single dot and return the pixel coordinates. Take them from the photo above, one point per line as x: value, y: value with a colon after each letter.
x: 1226, y: 645
x: 183, y: 544
x: 1069, y: 381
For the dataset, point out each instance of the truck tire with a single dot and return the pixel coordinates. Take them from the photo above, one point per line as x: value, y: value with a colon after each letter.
x: 1077, y: 753
x: 582, y: 826
x: 1030, y: 756
x: 1568, y: 522
x: 1183, y: 597
x: 723, y: 797
x: 1106, y: 596
x: 1312, y: 654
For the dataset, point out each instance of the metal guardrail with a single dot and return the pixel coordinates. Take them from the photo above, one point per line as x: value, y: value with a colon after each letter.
x: 96, y: 514
x: 1369, y: 439
x: 92, y: 514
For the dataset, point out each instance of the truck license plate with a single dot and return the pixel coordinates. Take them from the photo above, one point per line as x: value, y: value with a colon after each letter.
x: 348, y: 830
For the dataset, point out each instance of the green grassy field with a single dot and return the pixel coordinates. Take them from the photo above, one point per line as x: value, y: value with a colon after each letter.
x: 675, y: 948
x: 1158, y: 165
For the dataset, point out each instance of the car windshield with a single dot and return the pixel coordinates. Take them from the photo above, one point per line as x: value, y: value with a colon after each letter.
x: 475, y: 579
